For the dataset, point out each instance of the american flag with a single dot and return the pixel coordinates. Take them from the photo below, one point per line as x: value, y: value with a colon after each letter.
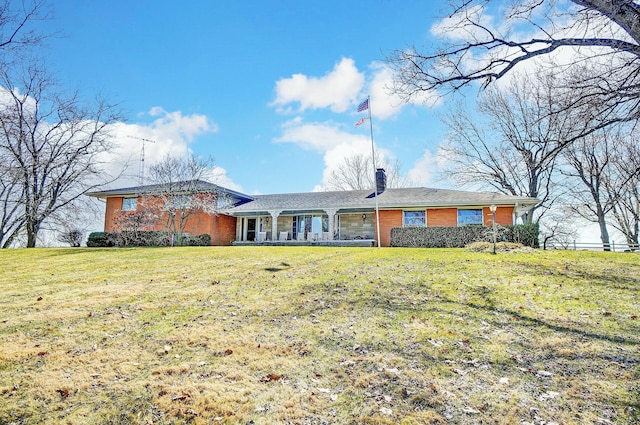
x: 363, y: 106
x: 361, y: 121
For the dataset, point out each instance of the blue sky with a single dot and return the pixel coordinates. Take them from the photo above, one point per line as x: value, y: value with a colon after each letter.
x: 269, y: 89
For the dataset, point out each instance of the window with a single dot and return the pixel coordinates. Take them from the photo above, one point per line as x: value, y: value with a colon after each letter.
x: 414, y: 218
x: 129, y: 204
x: 470, y: 217
x: 310, y: 223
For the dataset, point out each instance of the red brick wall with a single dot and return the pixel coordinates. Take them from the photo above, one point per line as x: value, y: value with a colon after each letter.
x: 442, y: 217
x: 221, y: 228
x: 113, y: 205
x: 388, y: 220
x: 504, y: 216
x: 198, y: 223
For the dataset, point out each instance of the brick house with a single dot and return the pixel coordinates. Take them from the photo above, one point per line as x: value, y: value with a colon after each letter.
x: 323, y: 217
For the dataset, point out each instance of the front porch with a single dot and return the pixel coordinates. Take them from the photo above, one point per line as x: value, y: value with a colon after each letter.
x: 306, y: 228
x: 336, y: 243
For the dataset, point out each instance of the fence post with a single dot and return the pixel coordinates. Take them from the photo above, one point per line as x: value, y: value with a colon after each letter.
x: 574, y: 245
x: 613, y: 246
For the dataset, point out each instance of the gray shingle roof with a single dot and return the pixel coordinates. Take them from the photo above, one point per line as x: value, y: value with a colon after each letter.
x: 197, y: 185
x: 349, y: 200
x: 361, y: 200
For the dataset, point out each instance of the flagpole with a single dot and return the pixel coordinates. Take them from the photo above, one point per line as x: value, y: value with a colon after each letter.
x: 375, y: 169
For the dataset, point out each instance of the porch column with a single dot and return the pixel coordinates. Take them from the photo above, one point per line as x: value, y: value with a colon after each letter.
x: 239, y: 226
x: 274, y: 224
x: 243, y: 229
x: 331, y: 219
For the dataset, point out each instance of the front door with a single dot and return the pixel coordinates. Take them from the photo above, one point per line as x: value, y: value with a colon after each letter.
x: 251, y: 229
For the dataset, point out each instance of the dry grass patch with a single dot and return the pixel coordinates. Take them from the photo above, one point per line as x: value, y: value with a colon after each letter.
x: 318, y: 335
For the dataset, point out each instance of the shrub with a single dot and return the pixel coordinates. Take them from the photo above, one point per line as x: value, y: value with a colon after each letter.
x: 143, y: 238
x: 458, y: 237
x: 73, y: 237
x: 130, y: 238
x: 199, y: 240
x: 526, y: 234
x: 101, y: 239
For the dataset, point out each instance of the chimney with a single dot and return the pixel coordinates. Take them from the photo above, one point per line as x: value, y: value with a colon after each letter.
x: 381, y: 180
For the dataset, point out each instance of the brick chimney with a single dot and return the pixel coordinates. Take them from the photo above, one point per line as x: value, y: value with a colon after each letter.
x: 381, y: 180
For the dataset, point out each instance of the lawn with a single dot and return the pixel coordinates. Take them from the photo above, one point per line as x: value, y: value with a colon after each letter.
x: 313, y: 335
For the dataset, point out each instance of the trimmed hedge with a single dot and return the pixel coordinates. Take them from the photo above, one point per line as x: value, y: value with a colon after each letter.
x: 142, y: 238
x: 458, y: 237
x: 101, y: 239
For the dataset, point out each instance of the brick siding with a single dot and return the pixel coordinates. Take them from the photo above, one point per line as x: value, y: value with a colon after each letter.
x: 388, y: 220
x: 442, y: 217
x: 221, y: 228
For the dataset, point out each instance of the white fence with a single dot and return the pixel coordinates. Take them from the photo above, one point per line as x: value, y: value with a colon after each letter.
x: 597, y: 246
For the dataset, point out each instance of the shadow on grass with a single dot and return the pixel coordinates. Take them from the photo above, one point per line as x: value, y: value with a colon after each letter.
x: 282, y: 266
x: 527, y: 321
x: 599, y: 277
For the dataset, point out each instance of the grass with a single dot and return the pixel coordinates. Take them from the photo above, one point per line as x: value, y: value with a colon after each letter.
x: 276, y: 335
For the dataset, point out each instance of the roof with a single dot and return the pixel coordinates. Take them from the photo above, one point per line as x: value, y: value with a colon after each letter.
x: 344, y: 201
x: 192, y: 185
x: 362, y: 200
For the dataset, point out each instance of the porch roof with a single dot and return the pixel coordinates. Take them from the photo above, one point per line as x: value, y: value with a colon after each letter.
x: 354, y: 200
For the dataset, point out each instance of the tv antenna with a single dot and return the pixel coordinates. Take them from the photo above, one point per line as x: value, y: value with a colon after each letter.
x: 141, y: 170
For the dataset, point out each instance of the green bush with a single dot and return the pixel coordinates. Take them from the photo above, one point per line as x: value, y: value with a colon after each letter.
x: 526, y: 234
x: 458, y: 237
x: 101, y: 239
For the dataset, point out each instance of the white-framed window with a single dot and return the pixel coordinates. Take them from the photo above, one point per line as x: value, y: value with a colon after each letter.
x: 414, y: 218
x: 469, y: 217
x: 129, y: 204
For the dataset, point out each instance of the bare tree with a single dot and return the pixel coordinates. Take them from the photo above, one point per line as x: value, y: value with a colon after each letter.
x: 605, y: 35
x: 588, y: 160
x: 604, y: 173
x: 17, y: 35
x: 356, y: 173
x: 511, y: 144
x: 11, y: 221
x: 180, y: 190
x: 51, y: 146
x: 623, y: 185
x: 559, y: 227
x: 17, y: 32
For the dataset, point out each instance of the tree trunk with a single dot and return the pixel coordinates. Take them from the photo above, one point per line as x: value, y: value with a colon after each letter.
x: 32, y: 233
x: 604, y: 233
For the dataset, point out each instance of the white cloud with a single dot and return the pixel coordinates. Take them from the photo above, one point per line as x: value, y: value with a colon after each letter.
x: 331, y: 141
x: 338, y: 90
x: 221, y: 178
x: 427, y: 169
x: 320, y: 137
x: 384, y: 103
x: 170, y: 133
